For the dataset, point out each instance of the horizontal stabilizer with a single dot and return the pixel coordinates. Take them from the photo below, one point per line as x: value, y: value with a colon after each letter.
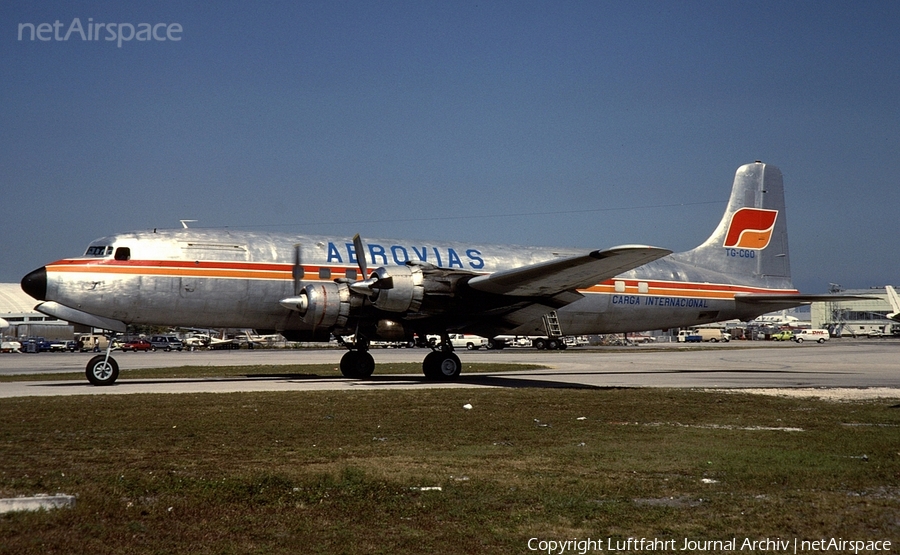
x: 797, y: 299
x: 565, y: 274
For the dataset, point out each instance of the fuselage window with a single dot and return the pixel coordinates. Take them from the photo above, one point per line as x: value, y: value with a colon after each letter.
x: 123, y: 253
x: 350, y: 273
x: 324, y: 273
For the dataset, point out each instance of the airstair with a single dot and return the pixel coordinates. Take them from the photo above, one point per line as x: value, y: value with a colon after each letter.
x: 551, y: 325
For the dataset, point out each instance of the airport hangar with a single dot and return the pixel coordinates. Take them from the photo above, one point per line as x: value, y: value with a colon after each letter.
x: 845, y: 318
x: 17, y: 308
x: 858, y: 317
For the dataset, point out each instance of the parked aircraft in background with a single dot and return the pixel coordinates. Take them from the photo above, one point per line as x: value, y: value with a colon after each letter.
x: 308, y: 288
x: 895, y: 303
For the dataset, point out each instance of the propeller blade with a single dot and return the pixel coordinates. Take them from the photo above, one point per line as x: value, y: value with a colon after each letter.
x: 297, y: 271
x: 360, y: 256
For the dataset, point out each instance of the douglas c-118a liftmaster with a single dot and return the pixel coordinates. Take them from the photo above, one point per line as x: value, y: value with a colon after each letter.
x: 309, y: 288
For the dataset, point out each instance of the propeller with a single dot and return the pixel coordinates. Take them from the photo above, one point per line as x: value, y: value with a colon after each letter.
x: 297, y: 302
x: 297, y: 271
x: 360, y: 256
x: 367, y: 285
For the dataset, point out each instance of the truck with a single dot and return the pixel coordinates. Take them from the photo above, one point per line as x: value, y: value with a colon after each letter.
x: 713, y: 335
x: 470, y: 342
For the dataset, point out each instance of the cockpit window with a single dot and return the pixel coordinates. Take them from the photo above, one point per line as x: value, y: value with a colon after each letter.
x: 98, y: 250
x: 123, y: 253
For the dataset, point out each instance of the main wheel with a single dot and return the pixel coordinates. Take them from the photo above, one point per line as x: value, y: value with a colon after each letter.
x: 440, y: 365
x: 102, y: 371
x: 496, y: 344
x: 357, y: 364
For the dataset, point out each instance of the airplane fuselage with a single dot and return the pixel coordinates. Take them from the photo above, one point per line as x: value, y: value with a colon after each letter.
x: 235, y: 279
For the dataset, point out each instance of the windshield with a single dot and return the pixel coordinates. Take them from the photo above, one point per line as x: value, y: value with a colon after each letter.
x: 98, y: 250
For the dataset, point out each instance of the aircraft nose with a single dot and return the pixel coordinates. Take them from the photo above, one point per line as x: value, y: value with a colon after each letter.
x: 35, y: 284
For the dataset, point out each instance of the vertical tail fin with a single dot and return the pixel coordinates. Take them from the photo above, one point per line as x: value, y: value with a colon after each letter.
x: 750, y: 245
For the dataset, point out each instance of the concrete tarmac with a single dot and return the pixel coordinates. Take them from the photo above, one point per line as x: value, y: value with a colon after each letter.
x: 867, y: 367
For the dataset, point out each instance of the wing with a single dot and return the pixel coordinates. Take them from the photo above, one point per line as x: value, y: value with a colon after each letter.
x: 521, y: 296
x: 548, y: 279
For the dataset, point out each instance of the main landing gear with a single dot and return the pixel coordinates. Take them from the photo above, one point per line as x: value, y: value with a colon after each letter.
x: 441, y: 364
x: 357, y: 363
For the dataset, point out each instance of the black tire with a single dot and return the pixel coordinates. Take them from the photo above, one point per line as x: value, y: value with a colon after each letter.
x: 357, y: 365
x: 540, y: 344
x: 496, y: 345
x: 820, y: 341
x: 441, y: 366
x: 99, y: 371
x: 470, y: 346
x: 552, y: 344
x: 799, y: 340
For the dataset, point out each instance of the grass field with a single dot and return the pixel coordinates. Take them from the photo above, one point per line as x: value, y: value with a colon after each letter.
x: 415, y: 472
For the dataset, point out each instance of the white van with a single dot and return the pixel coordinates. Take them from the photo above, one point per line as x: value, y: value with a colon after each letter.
x: 89, y: 342
x: 816, y: 334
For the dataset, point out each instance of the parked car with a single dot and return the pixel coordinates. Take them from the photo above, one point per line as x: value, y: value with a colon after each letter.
x: 137, y: 345
x: 10, y: 347
x: 785, y: 335
x: 166, y: 342
x: 36, y: 345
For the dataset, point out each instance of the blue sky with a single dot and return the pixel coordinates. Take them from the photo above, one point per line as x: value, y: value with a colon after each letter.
x: 586, y: 124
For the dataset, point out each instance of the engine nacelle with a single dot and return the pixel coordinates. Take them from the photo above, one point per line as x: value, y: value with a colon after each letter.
x: 389, y: 330
x: 327, y: 304
x: 404, y: 291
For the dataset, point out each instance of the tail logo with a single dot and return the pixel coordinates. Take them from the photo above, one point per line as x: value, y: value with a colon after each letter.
x: 750, y: 228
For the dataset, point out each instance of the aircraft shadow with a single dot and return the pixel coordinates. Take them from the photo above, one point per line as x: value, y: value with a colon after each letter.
x: 486, y: 380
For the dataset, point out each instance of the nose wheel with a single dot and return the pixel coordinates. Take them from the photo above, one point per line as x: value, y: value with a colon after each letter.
x: 102, y: 370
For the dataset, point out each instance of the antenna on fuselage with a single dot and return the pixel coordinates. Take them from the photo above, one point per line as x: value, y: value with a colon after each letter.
x: 184, y: 223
